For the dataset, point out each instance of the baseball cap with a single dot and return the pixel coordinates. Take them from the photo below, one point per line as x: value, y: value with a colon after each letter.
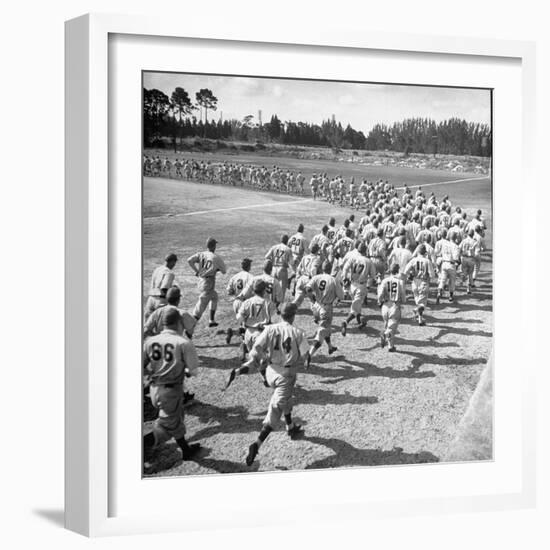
x: 211, y: 241
x: 247, y: 262
x: 288, y: 310
x: 259, y: 286
x: 171, y: 317
x: 171, y: 258
x: 327, y: 266
x: 173, y: 293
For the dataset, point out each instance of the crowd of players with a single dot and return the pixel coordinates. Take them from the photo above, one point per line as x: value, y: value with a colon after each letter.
x: 333, y: 189
x: 402, y: 238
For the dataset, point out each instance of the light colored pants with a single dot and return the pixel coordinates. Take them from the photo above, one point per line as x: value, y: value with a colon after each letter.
x: 391, y: 315
x: 205, y: 297
x: 322, y: 313
x: 447, y: 275
x: 301, y: 293
x: 281, y: 274
x: 237, y: 305
x: 358, y: 293
x: 170, y: 422
x: 468, y: 269
x: 420, y: 290
x: 250, y: 336
x: 281, y: 399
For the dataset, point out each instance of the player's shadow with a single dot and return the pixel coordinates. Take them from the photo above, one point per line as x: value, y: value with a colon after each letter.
x: 429, y: 343
x: 389, y: 372
x: 444, y: 331
x: 461, y: 307
x: 169, y: 456
x: 235, y: 419
x: 224, y: 345
x: 320, y: 359
x: 345, y: 454
x: 219, y: 364
x: 323, y: 397
x: 347, y: 372
x: 421, y: 359
x: 227, y: 466
x: 450, y: 320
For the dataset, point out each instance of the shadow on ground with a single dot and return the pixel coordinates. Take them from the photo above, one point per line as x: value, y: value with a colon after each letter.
x: 348, y: 455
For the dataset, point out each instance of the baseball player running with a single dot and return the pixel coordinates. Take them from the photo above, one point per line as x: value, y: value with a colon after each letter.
x: 236, y: 285
x: 448, y: 256
x: 168, y: 358
x: 323, y: 291
x: 254, y: 315
x: 162, y: 279
x: 155, y: 322
x: 308, y: 268
x: 358, y: 269
x: 272, y: 288
x: 469, y: 251
x: 282, y: 345
x: 206, y: 265
x: 298, y: 246
x: 422, y: 270
x: 281, y: 257
x: 391, y: 295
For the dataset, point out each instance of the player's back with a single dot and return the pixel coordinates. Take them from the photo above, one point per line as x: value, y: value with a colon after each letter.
x: 469, y: 247
x: 321, y: 241
x: 331, y: 233
x: 239, y: 281
x: 391, y: 290
x: 162, y: 278
x: 421, y: 268
x: 297, y: 244
x: 279, y: 254
x: 209, y: 263
x: 401, y: 256
x: 284, y: 345
x: 343, y: 246
x: 359, y: 268
x: 446, y: 250
x: 325, y: 288
x: 273, y: 291
x: 388, y: 228
x: 169, y: 354
x: 155, y: 322
x: 377, y: 248
x: 255, y: 312
x: 309, y: 265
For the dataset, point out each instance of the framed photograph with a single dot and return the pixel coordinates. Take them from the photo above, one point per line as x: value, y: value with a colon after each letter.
x: 287, y: 275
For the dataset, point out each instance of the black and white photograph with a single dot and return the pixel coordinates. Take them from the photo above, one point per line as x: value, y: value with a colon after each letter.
x: 317, y: 274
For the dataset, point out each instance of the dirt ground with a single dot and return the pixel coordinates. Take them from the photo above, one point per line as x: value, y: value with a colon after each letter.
x: 361, y: 406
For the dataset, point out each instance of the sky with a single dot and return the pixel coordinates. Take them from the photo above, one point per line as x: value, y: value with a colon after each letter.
x: 361, y: 105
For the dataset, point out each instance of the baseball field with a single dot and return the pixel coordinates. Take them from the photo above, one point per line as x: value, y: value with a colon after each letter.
x: 361, y: 406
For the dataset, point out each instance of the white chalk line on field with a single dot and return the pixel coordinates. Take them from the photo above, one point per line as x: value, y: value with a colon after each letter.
x: 443, y: 182
x: 282, y: 203
x: 270, y: 204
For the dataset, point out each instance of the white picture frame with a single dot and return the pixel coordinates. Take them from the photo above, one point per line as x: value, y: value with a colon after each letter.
x: 90, y: 211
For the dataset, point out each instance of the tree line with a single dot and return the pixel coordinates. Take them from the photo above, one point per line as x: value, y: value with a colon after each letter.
x: 175, y: 117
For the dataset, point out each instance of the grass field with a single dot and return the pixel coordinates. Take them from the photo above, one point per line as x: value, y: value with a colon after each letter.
x: 362, y: 406
x: 397, y: 175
